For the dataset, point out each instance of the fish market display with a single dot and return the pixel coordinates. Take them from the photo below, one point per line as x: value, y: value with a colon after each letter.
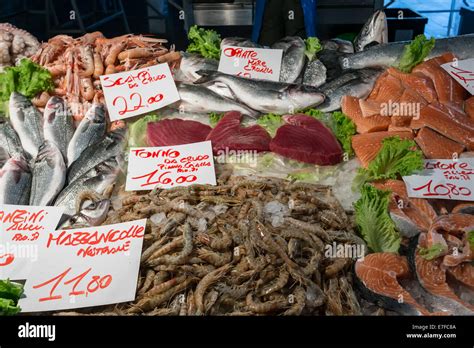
x: 192, y: 97
x: 246, y: 247
x: 386, y: 55
x: 190, y: 64
x: 15, y: 44
x: 77, y: 63
x: 176, y: 132
x: 265, y: 96
x: 306, y: 139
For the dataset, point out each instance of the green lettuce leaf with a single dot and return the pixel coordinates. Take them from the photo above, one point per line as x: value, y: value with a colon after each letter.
x: 214, y: 118
x: 205, y: 42
x: 302, y: 176
x: 270, y: 122
x: 8, y: 307
x: 10, y: 293
x: 137, y: 130
x: 396, y: 158
x: 415, y: 52
x: 374, y: 222
x: 313, y: 46
x: 432, y: 252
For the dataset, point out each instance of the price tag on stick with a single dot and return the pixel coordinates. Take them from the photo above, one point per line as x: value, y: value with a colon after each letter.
x: 139, y: 91
x: 170, y: 166
x: 443, y: 179
x: 86, y: 267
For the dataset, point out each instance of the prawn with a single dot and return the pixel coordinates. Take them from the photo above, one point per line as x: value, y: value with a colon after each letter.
x: 205, y: 282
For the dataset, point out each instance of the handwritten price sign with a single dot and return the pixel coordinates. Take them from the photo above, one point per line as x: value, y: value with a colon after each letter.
x: 255, y: 63
x: 23, y: 231
x: 86, y: 267
x: 463, y: 72
x: 139, y: 91
x: 170, y: 166
x: 443, y: 179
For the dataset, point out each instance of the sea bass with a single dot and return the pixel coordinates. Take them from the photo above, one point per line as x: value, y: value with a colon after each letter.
x: 27, y: 122
x: 91, y: 213
x: 200, y: 99
x: 97, y: 180
x: 266, y: 96
x: 314, y: 74
x: 49, y: 175
x: 89, y: 131
x: 374, y: 31
x: 191, y: 63
x: 9, y: 140
x: 294, y: 57
x: 58, y: 124
x: 4, y: 157
x: 389, y: 54
x: 111, y: 145
x: 15, y: 182
x: 357, y: 83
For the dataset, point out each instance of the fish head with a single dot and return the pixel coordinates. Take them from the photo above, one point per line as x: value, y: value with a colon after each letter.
x: 18, y: 166
x: 92, y: 213
x: 375, y: 30
x: 49, y: 152
x: 4, y: 157
x: 54, y: 107
x: 304, y: 96
x: 17, y: 104
x: 96, y: 114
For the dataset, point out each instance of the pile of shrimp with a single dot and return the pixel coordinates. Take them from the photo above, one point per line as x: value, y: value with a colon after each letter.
x: 218, y: 250
x: 77, y: 63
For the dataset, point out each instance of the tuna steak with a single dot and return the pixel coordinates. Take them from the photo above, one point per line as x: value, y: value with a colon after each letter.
x: 305, y: 139
x: 176, y: 132
x: 230, y: 135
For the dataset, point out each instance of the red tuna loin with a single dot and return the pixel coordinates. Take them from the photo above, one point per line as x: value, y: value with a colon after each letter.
x: 230, y: 135
x: 171, y: 132
x: 305, y: 139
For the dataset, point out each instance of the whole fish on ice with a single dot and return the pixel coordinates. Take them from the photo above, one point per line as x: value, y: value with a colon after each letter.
x: 374, y: 31
x: 15, y: 182
x: 58, y: 124
x: 294, y: 58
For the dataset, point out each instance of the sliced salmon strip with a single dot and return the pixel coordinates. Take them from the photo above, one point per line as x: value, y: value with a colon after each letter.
x: 448, y: 90
x: 411, y: 96
x: 437, y: 146
x: 469, y: 107
x: 350, y: 106
x: 370, y: 107
x: 434, y: 117
x: 377, y: 85
x: 401, y: 121
x: 457, y: 224
x: 422, y: 84
x: 393, y: 128
x: 391, y: 89
x: 433, y: 278
x: 379, y: 272
x: 463, y: 273
x: 366, y: 146
x: 457, y: 115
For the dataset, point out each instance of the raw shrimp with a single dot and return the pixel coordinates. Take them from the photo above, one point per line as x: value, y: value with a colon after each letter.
x: 205, y: 283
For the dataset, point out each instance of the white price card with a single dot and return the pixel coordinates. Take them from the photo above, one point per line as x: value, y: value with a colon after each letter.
x: 138, y: 91
x: 170, y: 166
x: 443, y: 179
x: 463, y: 72
x: 23, y: 230
x: 254, y: 63
x: 86, y: 267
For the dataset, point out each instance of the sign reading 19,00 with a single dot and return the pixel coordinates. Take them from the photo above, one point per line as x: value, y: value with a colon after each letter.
x: 139, y: 91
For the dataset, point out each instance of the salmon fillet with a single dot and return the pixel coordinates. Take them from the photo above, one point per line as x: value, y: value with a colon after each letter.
x: 416, y: 211
x: 379, y: 272
x: 463, y: 273
x: 469, y: 107
x: 436, y: 118
x: 393, y: 128
x: 350, y: 106
x: 448, y: 90
x: 391, y: 89
x: 437, y: 146
x: 370, y: 107
x: 433, y: 278
x: 419, y: 83
x: 377, y: 85
x: 411, y: 96
x: 366, y: 146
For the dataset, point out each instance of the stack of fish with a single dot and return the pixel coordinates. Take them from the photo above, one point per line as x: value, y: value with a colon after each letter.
x: 46, y: 161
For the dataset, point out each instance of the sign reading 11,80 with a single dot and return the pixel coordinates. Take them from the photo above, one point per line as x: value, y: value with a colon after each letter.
x: 138, y: 91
